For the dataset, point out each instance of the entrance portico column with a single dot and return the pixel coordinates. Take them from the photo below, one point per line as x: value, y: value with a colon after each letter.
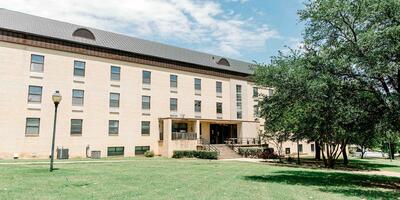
x: 198, y: 128
x: 167, y: 131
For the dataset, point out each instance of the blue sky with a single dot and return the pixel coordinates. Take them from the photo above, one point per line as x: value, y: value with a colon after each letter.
x: 279, y: 15
x: 242, y: 29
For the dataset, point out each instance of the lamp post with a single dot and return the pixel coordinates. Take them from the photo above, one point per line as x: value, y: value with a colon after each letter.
x: 56, y: 99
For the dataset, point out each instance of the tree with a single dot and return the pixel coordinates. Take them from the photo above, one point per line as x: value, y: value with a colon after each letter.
x: 364, y: 34
x: 277, y: 140
x: 308, y: 103
x: 344, y: 88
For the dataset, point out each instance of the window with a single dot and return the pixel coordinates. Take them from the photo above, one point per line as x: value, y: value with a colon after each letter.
x: 115, y: 73
x: 145, y: 128
x: 300, y: 148
x: 32, y: 126
x: 270, y: 92
x: 287, y: 151
x: 180, y: 127
x: 219, y: 87
x: 239, y: 101
x: 113, y: 127
x: 219, y: 108
x: 83, y: 33
x: 173, y: 81
x: 255, y: 92
x: 256, y: 111
x: 146, y: 102
x: 146, y: 77
x: 197, y: 106
x: 79, y: 68
x: 77, y: 97
x: 161, y: 129
x: 115, y: 151
x: 35, y: 94
x: 197, y: 84
x: 173, y: 104
x: 114, y: 100
x: 37, y: 63
x: 223, y: 61
x: 140, y: 150
x: 76, y: 126
x: 312, y: 147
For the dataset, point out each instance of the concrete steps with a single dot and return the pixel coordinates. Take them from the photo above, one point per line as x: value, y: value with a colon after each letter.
x: 225, y: 152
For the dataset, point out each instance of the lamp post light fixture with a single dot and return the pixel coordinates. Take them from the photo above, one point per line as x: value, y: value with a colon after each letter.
x: 56, y: 99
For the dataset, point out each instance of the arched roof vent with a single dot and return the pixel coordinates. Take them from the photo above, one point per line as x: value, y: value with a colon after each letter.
x: 84, y: 33
x: 223, y: 61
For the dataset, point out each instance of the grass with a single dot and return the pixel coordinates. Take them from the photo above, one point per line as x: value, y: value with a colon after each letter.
x: 355, y: 164
x: 376, y: 164
x: 160, y: 178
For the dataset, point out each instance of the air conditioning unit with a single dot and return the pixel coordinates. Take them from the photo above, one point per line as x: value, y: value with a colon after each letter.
x: 62, y: 153
x: 95, y: 154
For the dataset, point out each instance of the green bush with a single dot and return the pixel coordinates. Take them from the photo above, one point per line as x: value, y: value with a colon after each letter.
x: 195, y: 154
x: 149, y: 154
x: 257, y: 152
x: 206, y: 154
x: 250, y: 151
x: 183, y: 154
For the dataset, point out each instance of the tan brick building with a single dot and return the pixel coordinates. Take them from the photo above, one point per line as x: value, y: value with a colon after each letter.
x: 120, y: 95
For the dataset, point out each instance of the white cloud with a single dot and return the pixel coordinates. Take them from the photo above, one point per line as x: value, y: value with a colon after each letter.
x: 240, y: 1
x: 293, y: 44
x: 203, y: 25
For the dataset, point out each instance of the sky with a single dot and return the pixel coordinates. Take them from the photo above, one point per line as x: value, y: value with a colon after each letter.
x: 248, y: 30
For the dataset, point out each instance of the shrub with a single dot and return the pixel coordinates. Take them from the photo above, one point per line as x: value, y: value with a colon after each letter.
x: 257, y: 152
x: 251, y: 152
x: 149, y: 154
x: 206, y: 154
x: 183, y: 154
x: 195, y: 154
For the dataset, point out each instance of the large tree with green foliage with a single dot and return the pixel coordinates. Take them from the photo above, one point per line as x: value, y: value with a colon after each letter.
x: 309, y: 103
x: 365, y: 35
x: 347, y: 80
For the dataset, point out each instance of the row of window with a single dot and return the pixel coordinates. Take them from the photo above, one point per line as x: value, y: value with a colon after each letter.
x: 32, y: 127
x: 239, y: 101
x: 300, y: 148
x: 37, y: 65
x: 119, y: 151
x: 35, y: 92
x: 78, y: 96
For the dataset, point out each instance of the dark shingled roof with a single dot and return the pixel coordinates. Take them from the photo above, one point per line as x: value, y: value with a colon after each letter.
x: 30, y: 24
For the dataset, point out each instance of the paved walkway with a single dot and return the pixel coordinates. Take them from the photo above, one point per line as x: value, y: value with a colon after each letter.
x: 262, y: 161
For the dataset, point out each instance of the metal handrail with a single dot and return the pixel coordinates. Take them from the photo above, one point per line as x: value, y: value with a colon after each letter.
x: 207, y: 146
x: 244, y: 140
x: 183, y: 136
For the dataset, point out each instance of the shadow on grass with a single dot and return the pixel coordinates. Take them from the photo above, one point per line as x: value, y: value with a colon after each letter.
x: 366, y: 186
x: 354, y: 165
x: 369, y: 165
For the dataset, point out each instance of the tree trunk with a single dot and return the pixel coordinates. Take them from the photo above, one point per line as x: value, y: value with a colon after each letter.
x: 317, y: 151
x: 298, y: 153
x: 391, y: 150
x: 362, y: 154
x: 345, y: 158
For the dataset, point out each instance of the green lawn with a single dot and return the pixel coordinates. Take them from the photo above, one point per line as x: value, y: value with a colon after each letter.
x: 160, y: 178
x: 376, y: 164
